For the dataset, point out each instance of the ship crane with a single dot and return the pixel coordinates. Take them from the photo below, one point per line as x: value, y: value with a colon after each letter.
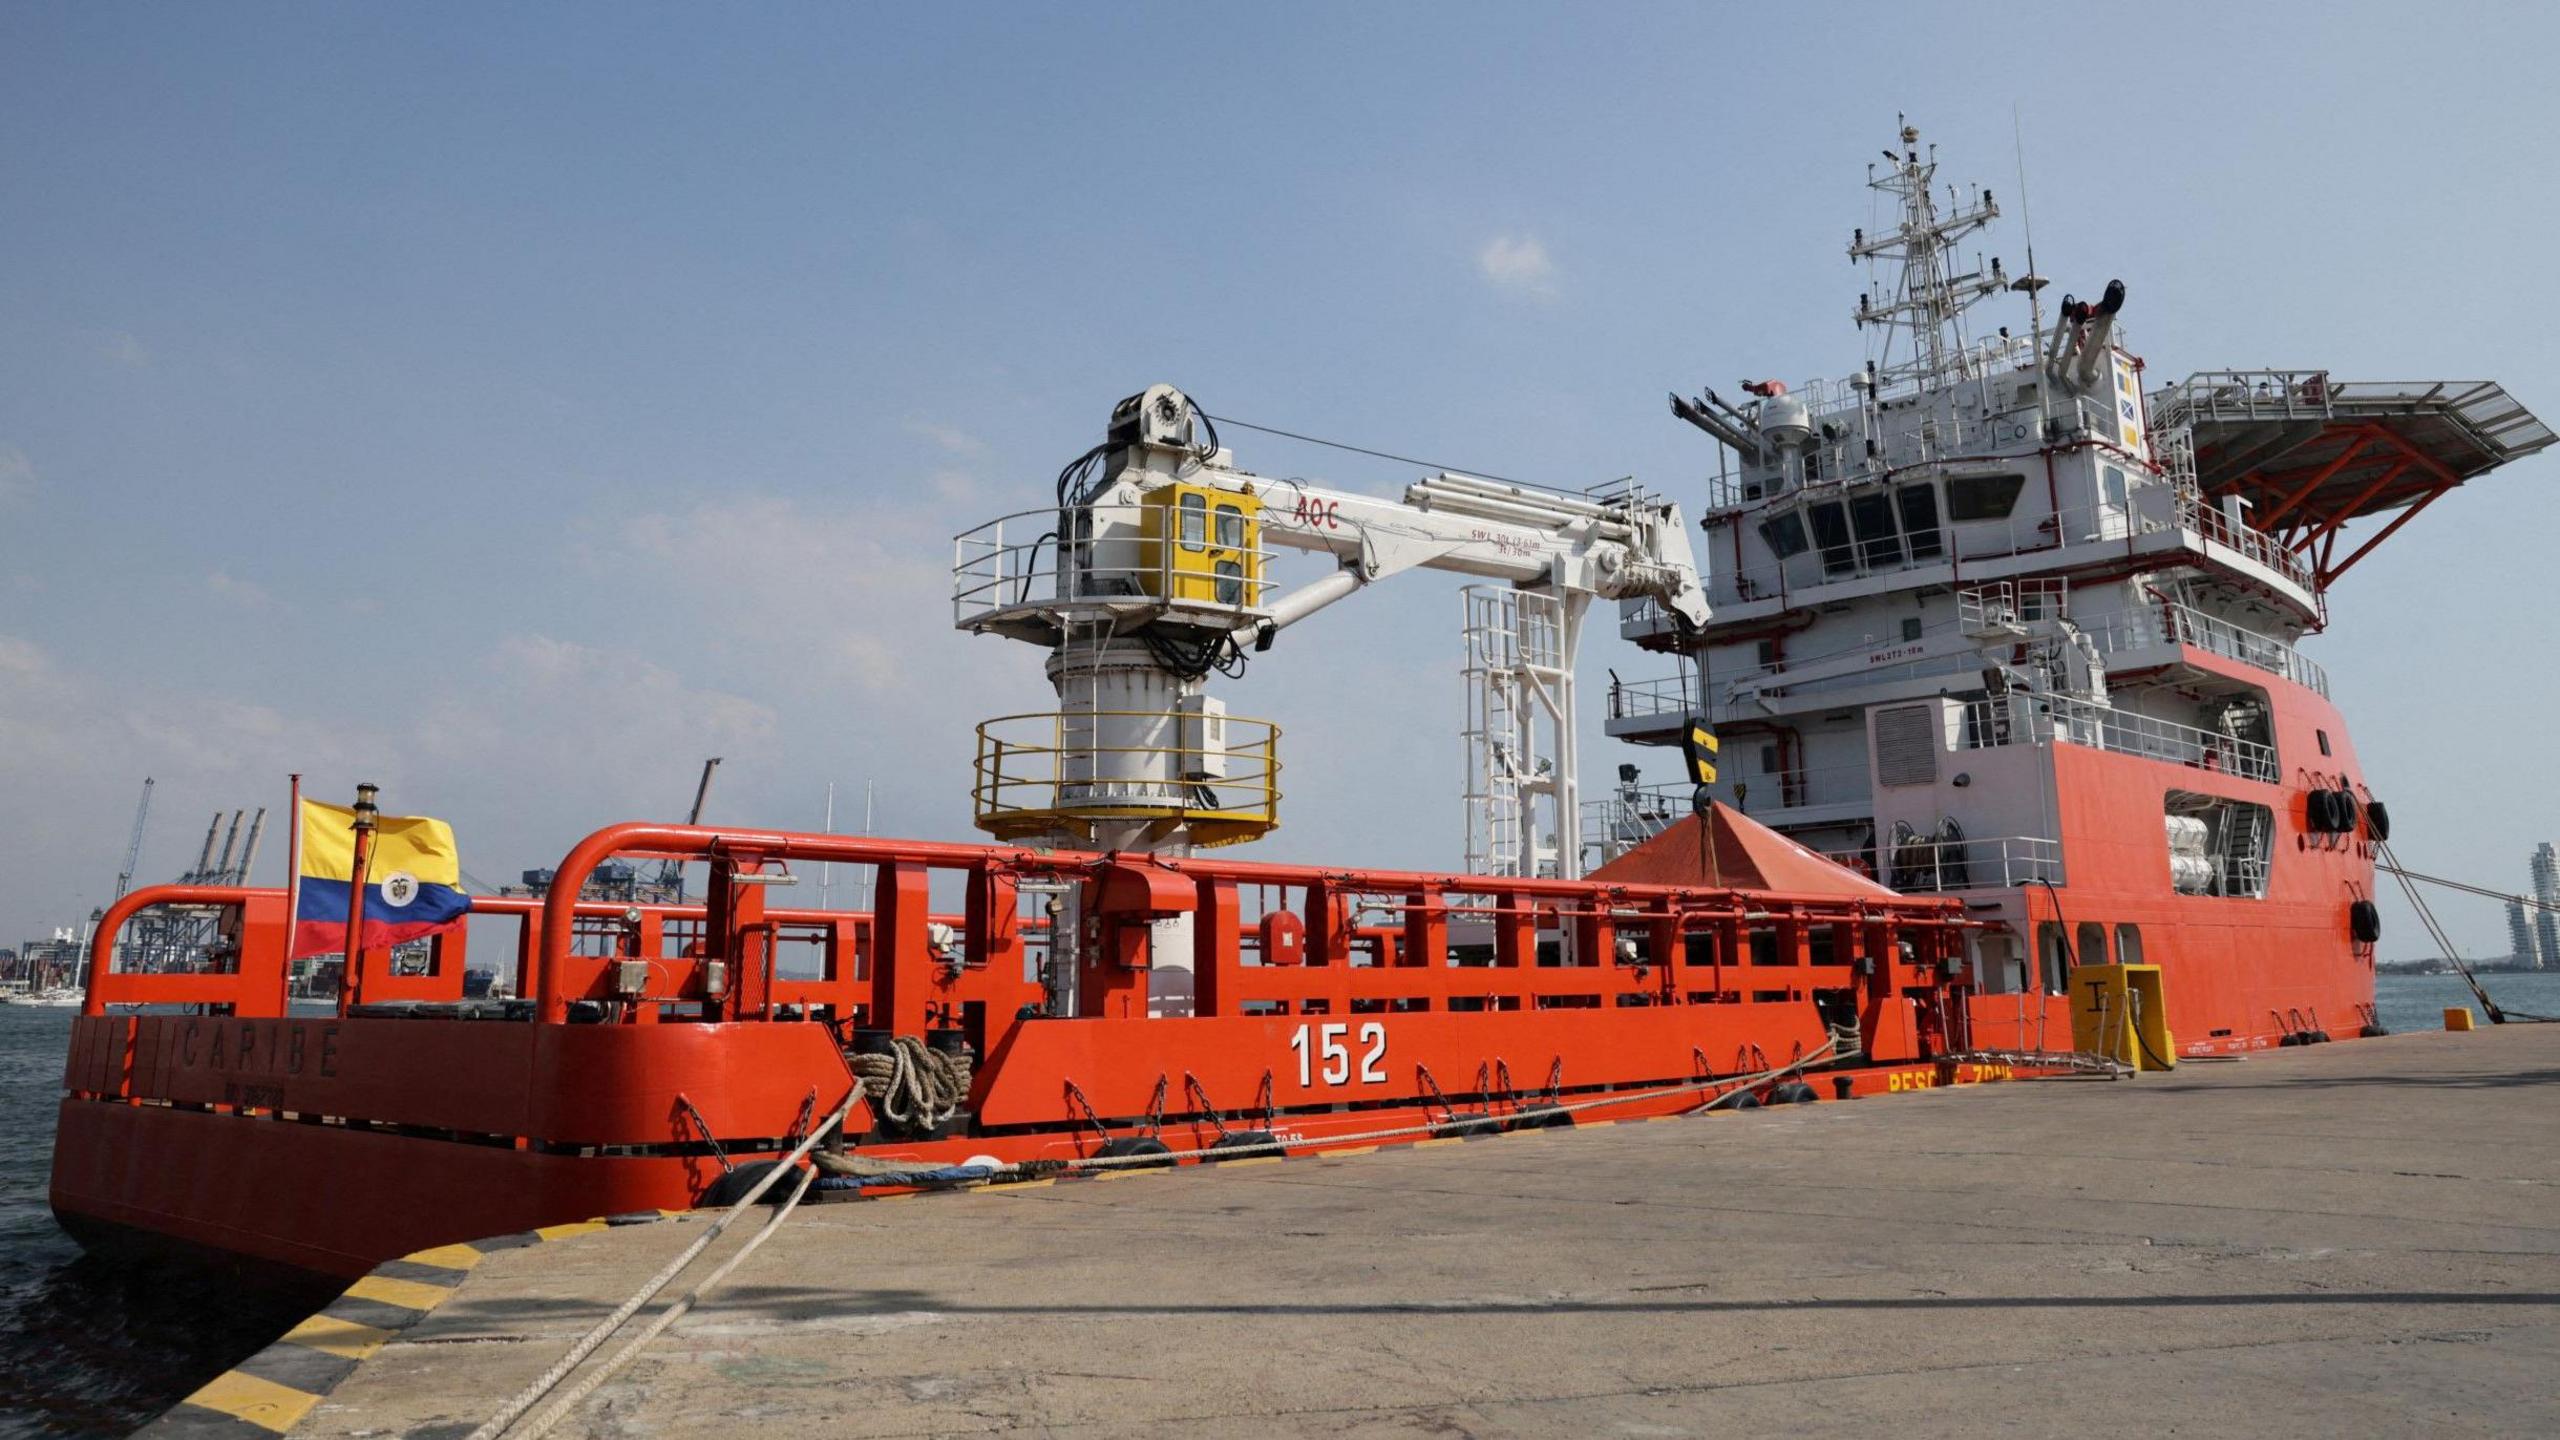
x: 1153, y: 574
x: 133, y: 847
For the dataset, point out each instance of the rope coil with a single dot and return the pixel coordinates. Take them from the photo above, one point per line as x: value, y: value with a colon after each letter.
x: 914, y: 1086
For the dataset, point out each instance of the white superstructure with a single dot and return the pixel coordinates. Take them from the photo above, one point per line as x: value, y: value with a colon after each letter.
x: 1988, y: 541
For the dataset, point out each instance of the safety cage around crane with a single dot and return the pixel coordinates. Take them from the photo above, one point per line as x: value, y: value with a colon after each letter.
x: 1053, y: 775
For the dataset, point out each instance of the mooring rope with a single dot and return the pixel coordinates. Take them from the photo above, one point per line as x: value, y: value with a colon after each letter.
x: 913, y: 1084
x: 927, y: 1080
x: 526, y: 1398
x: 559, y: 1409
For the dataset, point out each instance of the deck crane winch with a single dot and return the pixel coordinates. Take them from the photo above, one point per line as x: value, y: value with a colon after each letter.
x: 1153, y: 573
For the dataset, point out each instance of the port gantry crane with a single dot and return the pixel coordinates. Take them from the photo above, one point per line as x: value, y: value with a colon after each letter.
x: 1152, y: 574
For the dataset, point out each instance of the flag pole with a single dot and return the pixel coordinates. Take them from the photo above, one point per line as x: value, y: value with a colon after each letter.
x: 350, y: 983
x: 292, y: 886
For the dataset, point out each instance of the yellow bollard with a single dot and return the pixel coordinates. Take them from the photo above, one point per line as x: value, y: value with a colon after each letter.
x: 2457, y: 1017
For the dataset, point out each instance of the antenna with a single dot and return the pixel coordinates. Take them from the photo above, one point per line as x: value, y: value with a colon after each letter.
x: 2033, y: 281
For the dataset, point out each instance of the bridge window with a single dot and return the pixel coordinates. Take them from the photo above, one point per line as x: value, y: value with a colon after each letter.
x: 1919, y: 505
x: 1983, y: 497
x: 1879, y: 545
x: 1831, y: 537
x: 1785, y: 533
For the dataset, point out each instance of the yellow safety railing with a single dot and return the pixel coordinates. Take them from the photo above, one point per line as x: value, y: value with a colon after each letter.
x: 1047, y: 774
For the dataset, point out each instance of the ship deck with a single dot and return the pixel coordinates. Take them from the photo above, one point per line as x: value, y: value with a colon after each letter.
x: 2353, y: 1238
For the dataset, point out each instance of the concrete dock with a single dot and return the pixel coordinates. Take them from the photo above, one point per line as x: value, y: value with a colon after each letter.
x: 2352, y: 1239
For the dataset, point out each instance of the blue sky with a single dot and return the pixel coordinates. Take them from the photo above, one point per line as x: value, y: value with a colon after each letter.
x: 513, y: 405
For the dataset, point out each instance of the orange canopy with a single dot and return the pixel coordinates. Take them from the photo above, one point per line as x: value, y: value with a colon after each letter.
x: 1745, y: 855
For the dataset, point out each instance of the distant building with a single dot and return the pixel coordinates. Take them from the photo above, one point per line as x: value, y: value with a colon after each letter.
x: 2520, y: 938
x: 2546, y: 923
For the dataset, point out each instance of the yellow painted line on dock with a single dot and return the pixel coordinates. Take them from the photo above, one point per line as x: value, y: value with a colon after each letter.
x: 563, y: 1232
x: 1347, y: 1153
x: 262, y: 1403
x: 352, y: 1339
x: 409, y: 1293
x: 1440, y: 1140
x: 1132, y: 1173
x: 446, y: 1257
x: 1249, y: 1160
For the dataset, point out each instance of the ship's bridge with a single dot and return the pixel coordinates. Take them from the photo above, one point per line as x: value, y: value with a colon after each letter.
x: 2307, y: 453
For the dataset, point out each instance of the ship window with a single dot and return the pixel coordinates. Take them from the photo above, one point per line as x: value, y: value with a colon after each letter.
x: 2128, y: 944
x: 1768, y: 759
x: 2091, y: 948
x: 1878, y: 544
x: 1769, y: 656
x: 2324, y: 740
x: 1911, y: 627
x: 1195, y: 520
x: 1983, y: 497
x: 1919, y: 504
x: 1764, y: 947
x: 1697, y: 947
x: 2111, y: 486
x: 2054, y: 958
x: 1831, y: 537
x: 1785, y: 533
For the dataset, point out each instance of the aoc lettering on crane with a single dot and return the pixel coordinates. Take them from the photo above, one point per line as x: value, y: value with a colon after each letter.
x: 1318, y: 513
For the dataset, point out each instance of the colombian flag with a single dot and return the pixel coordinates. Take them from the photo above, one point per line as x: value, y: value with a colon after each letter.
x: 413, y: 881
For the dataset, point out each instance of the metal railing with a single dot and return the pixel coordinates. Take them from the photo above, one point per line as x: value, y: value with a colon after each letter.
x: 2046, y: 718
x: 1929, y: 866
x: 1671, y: 695
x: 2178, y: 624
x: 1046, y: 773
x: 2195, y: 513
x: 1018, y: 560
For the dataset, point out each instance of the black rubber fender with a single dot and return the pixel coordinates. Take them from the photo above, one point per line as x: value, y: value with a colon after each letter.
x: 2377, y: 820
x: 2349, y: 812
x: 2318, y: 1037
x: 1240, y: 1139
x: 1744, y: 1101
x: 2364, y: 921
x: 728, y: 1189
x: 2373, y: 1032
x: 1794, y: 1092
x: 2291, y: 1038
x: 1128, y: 1145
x: 1543, y: 1119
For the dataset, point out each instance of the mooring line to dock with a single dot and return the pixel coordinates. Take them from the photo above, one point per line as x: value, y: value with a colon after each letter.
x: 532, y: 1394
x: 2390, y: 865
x: 1729, y: 1086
